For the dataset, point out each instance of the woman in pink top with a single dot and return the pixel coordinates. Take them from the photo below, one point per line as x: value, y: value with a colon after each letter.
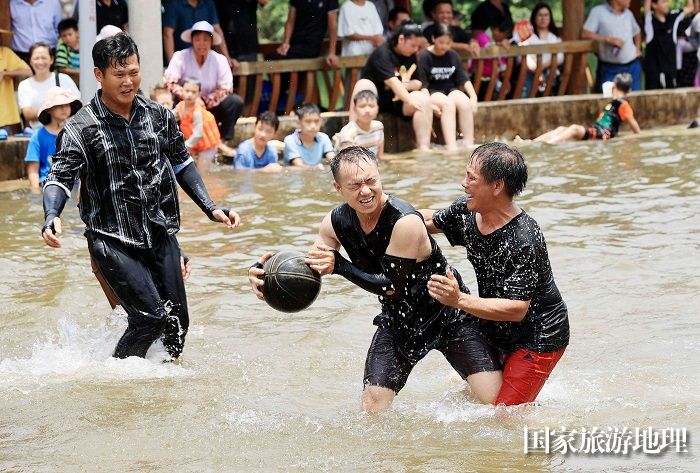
x: 213, y: 72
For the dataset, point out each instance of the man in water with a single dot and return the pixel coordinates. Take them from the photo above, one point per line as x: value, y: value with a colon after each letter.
x: 392, y: 255
x: 127, y: 152
x: 519, y: 307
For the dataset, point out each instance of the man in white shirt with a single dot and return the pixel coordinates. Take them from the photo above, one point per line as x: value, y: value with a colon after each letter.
x: 360, y: 27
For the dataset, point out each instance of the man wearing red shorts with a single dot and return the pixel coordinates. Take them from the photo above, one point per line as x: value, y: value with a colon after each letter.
x: 521, y: 313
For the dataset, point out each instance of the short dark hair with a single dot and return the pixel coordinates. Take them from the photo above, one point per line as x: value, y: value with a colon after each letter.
x: 408, y: 29
x: 500, y: 162
x: 438, y: 2
x: 506, y: 26
x: 394, y: 13
x: 351, y: 155
x: 67, y: 24
x: 441, y: 29
x: 114, y: 51
x: 365, y: 94
x: 307, y: 109
x: 623, y: 81
x: 268, y: 118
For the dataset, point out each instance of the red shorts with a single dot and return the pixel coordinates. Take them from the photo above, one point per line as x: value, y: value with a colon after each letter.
x: 524, y: 374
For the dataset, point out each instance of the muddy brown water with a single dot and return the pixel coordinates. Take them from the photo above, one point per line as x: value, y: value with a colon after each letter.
x: 258, y: 390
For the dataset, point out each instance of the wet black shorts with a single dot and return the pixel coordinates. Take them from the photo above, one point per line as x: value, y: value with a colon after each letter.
x: 388, y: 105
x: 461, y: 344
x: 596, y: 132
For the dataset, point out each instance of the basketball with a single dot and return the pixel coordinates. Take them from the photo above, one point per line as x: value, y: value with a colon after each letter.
x: 290, y: 285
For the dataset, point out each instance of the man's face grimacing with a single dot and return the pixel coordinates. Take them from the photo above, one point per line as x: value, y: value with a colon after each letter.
x: 120, y: 82
x: 360, y: 185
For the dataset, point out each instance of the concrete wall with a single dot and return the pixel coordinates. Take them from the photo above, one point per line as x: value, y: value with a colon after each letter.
x: 495, y: 120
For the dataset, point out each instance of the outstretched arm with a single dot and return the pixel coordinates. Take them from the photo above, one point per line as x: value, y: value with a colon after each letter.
x: 408, y: 243
x: 191, y: 182
x: 428, y: 219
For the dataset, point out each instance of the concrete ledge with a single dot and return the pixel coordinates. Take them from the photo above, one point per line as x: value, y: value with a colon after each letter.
x: 495, y: 120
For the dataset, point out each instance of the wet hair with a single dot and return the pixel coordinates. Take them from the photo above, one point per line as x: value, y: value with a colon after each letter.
x: 351, y: 155
x: 268, y: 118
x: 623, y: 81
x: 193, y: 81
x: 500, y: 162
x: 36, y: 46
x: 408, y: 29
x: 114, y: 51
x: 394, y: 13
x: 307, y: 109
x: 67, y: 24
x: 441, y: 29
x: 552, y: 27
x: 365, y: 94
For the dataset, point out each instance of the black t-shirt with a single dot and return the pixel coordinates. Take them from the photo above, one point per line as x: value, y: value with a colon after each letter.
x: 660, y: 52
x: 416, y: 320
x: 384, y: 64
x: 459, y: 35
x: 486, y: 15
x: 117, y: 14
x: 239, y: 21
x: 445, y: 73
x: 310, y: 25
x: 511, y: 263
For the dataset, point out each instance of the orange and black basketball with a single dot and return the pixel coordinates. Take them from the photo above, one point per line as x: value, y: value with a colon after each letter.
x: 290, y: 285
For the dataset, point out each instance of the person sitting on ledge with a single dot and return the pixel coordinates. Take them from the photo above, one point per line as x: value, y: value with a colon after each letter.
x: 609, y: 120
x: 389, y: 73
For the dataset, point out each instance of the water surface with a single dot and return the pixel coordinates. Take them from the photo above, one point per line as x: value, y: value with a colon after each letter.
x: 259, y: 390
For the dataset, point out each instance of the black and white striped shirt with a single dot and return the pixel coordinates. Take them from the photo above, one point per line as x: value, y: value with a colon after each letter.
x: 126, y: 168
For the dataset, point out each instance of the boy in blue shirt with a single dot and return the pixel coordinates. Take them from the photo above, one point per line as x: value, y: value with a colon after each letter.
x: 256, y: 153
x: 59, y: 105
x: 307, y: 146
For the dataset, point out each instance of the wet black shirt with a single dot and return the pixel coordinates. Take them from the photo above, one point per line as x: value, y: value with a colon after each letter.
x: 445, y: 73
x: 416, y: 320
x: 511, y: 263
x: 310, y: 25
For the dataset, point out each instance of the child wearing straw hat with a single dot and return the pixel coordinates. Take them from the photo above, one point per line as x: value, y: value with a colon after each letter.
x: 58, y: 106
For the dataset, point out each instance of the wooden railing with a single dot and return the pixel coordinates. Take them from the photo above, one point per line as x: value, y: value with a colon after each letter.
x: 319, y: 83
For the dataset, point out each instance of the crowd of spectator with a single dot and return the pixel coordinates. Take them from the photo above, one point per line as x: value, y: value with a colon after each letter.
x: 412, y: 71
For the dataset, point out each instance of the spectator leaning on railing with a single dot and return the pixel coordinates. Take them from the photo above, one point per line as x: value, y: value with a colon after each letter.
x: 360, y: 27
x: 614, y: 25
x: 305, y: 28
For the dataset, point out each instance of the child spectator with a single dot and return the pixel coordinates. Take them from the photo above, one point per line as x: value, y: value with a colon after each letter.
x: 59, y: 105
x: 365, y: 131
x: 307, y: 146
x: 360, y: 27
x: 608, y: 122
x: 443, y: 68
x: 256, y: 153
x: 163, y: 96
x: 68, y: 49
x: 199, y: 126
x: 661, y: 32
